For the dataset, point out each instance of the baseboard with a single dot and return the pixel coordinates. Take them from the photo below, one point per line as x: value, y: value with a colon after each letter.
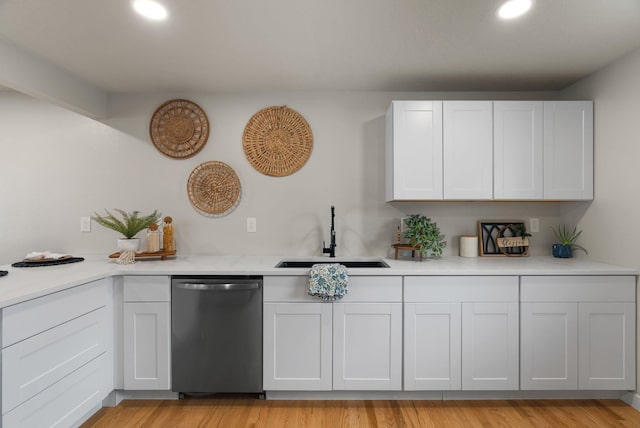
x: 529, y: 395
x: 632, y: 399
x: 446, y: 395
x: 354, y: 395
x: 145, y: 395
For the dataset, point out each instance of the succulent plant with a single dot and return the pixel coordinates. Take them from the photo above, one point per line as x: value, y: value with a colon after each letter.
x: 568, y: 238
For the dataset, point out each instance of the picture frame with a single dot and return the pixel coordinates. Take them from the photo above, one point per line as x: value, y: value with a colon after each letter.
x: 498, y: 239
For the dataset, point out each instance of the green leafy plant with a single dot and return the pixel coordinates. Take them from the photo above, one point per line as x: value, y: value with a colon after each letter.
x: 519, y: 229
x: 424, y: 235
x: 131, y: 223
x: 568, y: 238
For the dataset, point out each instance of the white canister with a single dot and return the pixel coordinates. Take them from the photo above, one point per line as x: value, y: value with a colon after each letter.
x: 468, y: 246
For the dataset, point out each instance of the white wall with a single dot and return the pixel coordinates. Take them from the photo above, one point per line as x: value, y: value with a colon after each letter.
x: 57, y: 166
x: 610, y: 221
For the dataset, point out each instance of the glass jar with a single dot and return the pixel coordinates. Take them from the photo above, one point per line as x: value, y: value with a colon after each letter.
x: 168, y: 243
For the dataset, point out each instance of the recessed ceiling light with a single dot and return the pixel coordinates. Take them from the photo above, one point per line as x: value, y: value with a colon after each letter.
x: 514, y: 8
x: 150, y: 9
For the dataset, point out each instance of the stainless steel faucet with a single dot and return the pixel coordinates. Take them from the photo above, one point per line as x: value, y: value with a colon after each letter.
x: 332, y: 247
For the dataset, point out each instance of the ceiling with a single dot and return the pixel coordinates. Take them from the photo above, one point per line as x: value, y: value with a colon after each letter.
x: 259, y: 45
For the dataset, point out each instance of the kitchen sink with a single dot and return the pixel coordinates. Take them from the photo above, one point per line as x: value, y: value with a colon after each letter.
x: 347, y: 263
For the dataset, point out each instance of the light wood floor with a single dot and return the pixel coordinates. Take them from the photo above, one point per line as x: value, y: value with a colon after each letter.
x: 249, y: 412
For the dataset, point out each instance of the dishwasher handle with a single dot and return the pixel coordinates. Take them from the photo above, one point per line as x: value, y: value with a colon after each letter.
x: 221, y: 286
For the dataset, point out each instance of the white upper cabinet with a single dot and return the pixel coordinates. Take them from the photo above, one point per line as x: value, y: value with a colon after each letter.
x: 414, y: 150
x: 468, y: 150
x: 489, y: 150
x: 568, y: 150
x: 517, y: 150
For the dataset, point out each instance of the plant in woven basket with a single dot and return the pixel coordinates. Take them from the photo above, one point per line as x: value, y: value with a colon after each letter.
x: 131, y: 223
x: 424, y: 235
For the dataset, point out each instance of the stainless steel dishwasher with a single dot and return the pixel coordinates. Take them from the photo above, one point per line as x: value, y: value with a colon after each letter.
x: 216, y: 334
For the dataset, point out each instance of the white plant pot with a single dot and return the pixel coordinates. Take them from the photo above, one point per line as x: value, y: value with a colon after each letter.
x: 129, y: 244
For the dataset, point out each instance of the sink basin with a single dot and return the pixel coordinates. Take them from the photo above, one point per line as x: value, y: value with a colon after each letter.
x: 347, y: 263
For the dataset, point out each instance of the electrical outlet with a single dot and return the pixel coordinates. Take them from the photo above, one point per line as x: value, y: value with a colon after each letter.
x: 85, y: 224
x: 252, y: 225
x: 534, y: 225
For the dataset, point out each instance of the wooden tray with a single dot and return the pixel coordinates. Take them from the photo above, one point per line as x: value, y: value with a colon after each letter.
x: 162, y: 254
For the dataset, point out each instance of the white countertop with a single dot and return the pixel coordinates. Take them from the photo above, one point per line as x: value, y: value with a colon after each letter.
x: 22, y: 284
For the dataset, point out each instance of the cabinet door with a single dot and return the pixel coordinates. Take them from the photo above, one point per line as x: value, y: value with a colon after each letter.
x: 367, y: 346
x: 568, y: 150
x: 490, y: 346
x: 549, y: 346
x: 468, y: 149
x: 432, y: 346
x: 517, y: 150
x: 297, y: 346
x: 414, y: 150
x: 606, y: 346
x: 146, y: 346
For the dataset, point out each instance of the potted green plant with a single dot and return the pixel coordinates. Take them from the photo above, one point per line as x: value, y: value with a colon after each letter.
x: 424, y: 235
x: 129, y: 226
x: 566, y: 242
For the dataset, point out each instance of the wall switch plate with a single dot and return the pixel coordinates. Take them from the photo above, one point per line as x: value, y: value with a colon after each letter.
x: 534, y: 225
x: 252, y: 225
x: 85, y: 224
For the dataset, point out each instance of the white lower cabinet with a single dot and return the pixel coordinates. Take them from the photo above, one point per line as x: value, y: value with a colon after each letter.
x: 367, y: 346
x: 297, y: 346
x: 549, y: 347
x: 461, y: 333
x: 432, y: 346
x: 578, y: 332
x: 355, y: 344
x: 57, y: 362
x: 146, y: 333
x: 490, y: 346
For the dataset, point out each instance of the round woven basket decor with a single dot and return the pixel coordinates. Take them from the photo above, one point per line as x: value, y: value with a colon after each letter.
x: 179, y: 128
x: 214, y: 188
x: 277, y: 141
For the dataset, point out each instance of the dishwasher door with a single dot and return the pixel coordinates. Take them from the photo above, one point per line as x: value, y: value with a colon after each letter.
x: 216, y: 334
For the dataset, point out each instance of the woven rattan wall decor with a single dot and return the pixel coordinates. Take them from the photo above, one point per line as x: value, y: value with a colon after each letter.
x: 179, y: 128
x: 277, y: 141
x: 214, y: 188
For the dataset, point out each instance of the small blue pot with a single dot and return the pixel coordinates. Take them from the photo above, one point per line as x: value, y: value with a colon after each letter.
x: 562, y: 251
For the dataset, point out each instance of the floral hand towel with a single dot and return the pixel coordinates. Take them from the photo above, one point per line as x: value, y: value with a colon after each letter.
x: 328, y: 281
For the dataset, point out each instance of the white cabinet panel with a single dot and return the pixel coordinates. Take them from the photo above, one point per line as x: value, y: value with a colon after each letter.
x: 549, y: 344
x: 147, y: 346
x: 66, y: 401
x: 36, y: 363
x: 34, y: 316
x: 468, y: 150
x: 297, y: 346
x: 607, y: 346
x: 414, y: 150
x: 432, y: 346
x: 367, y: 346
x: 568, y: 150
x: 490, y: 346
x: 147, y: 289
x: 517, y: 150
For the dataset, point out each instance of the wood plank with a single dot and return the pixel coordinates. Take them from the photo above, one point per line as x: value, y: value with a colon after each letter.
x: 249, y: 412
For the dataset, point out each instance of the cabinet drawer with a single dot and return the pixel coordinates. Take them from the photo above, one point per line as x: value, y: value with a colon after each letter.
x: 147, y: 289
x: 65, y: 402
x: 34, y: 316
x: 361, y: 289
x: 34, y: 364
x: 461, y: 289
x: 578, y: 289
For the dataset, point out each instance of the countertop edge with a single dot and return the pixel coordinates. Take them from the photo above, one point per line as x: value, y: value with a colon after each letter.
x: 23, y: 284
